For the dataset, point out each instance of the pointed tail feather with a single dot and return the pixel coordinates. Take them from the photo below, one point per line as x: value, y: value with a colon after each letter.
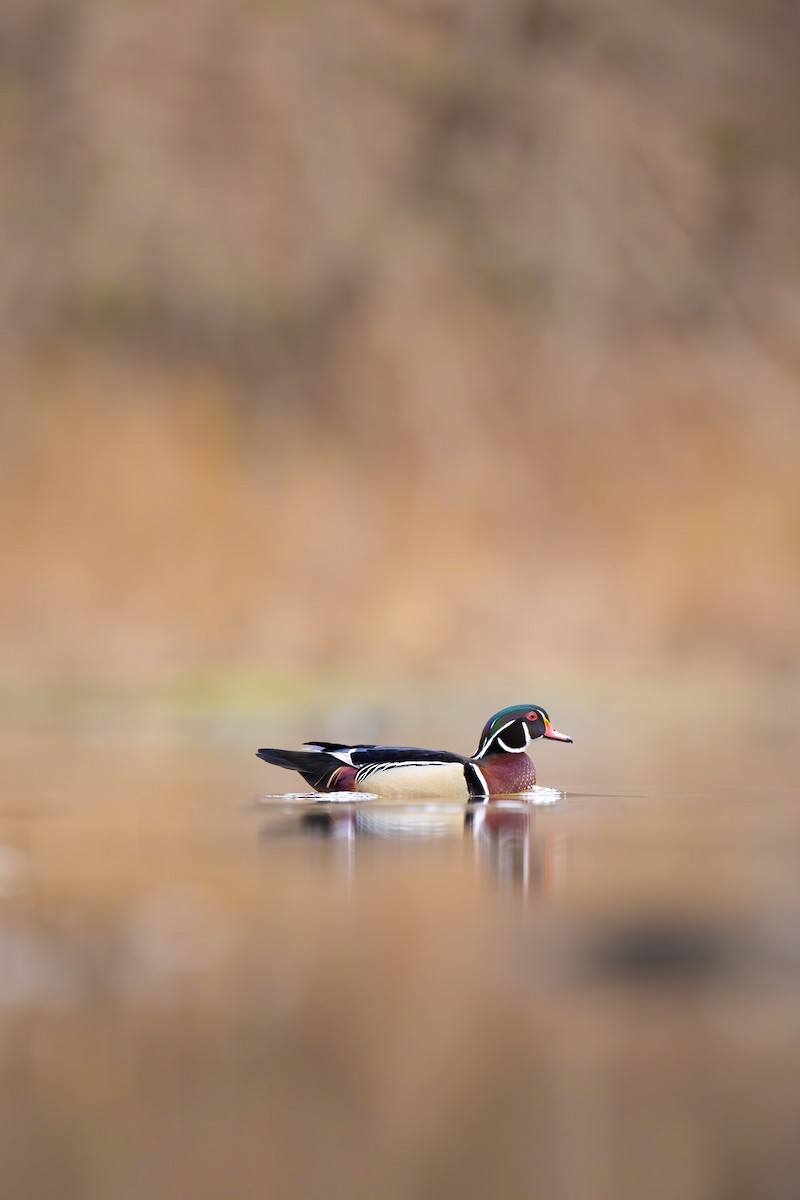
x: 317, y: 768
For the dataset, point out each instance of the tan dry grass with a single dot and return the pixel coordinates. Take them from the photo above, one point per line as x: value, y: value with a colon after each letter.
x: 413, y: 337
x: 147, y: 523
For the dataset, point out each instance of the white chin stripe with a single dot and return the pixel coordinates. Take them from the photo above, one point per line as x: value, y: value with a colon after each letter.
x: 511, y: 749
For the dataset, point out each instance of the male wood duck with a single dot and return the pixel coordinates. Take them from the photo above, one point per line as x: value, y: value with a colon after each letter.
x: 499, y: 767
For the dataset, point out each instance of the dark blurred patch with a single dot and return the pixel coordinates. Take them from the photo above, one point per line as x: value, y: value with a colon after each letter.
x: 319, y: 824
x: 541, y: 22
x: 661, y: 953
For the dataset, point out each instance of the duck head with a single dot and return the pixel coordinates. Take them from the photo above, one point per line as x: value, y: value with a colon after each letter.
x: 512, y: 729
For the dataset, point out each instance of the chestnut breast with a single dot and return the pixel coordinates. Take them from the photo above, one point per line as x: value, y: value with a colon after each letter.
x: 507, y: 774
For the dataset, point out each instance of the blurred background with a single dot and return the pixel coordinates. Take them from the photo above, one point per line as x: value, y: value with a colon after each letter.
x: 366, y: 368
x: 422, y: 339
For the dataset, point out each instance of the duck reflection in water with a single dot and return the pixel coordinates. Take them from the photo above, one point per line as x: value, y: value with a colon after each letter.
x: 504, y: 841
x: 500, y: 835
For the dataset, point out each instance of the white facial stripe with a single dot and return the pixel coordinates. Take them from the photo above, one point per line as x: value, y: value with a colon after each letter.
x: 511, y: 749
x: 508, y: 749
x: 492, y: 738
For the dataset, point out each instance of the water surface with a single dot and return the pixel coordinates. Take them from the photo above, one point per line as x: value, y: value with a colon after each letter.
x: 208, y: 992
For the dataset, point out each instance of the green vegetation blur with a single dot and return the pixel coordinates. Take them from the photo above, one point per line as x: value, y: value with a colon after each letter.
x: 423, y: 338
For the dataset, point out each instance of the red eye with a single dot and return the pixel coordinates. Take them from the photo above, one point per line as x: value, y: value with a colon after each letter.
x: 532, y: 715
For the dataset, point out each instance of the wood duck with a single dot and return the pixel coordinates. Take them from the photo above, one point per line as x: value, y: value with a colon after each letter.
x: 499, y: 767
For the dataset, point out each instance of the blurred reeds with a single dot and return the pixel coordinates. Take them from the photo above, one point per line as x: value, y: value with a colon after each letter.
x: 406, y: 338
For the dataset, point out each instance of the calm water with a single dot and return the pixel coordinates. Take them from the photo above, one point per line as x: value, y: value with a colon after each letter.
x: 208, y: 992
